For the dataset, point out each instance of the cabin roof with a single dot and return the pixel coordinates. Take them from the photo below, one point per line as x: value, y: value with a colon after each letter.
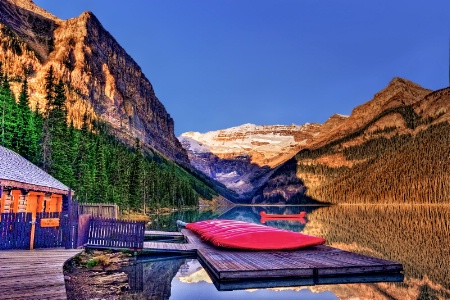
x: 17, y: 172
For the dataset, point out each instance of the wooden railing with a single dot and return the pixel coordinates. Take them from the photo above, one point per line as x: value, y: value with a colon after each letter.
x: 99, y: 210
x: 116, y: 234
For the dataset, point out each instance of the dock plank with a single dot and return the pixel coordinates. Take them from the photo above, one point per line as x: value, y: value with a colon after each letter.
x: 34, y: 274
x: 169, y: 247
x: 156, y: 233
x: 193, y: 238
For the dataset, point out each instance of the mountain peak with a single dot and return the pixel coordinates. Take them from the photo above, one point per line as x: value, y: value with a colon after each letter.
x: 30, y: 6
x: 402, y: 81
x: 401, y: 85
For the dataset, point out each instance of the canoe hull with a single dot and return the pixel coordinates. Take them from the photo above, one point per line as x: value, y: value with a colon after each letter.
x: 279, y: 216
x: 250, y: 236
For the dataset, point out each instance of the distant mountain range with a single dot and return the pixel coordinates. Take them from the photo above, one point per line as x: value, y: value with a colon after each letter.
x: 243, y: 157
x: 343, y: 160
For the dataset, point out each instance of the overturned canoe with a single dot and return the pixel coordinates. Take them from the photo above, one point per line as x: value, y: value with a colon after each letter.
x: 279, y: 216
x: 250, y: 236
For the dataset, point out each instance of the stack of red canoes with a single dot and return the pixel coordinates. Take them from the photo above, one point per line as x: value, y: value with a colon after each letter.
x: 250, y: 236
x: 265, y: 217
x: 280, y: 216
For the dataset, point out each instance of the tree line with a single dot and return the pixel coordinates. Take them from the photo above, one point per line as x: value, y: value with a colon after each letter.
x: 90, y: 160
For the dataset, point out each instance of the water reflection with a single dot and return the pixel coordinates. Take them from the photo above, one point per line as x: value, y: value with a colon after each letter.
x: 416, y: 236
x: 163, y: 278
x: 152, y: 278
x: 241, y: 213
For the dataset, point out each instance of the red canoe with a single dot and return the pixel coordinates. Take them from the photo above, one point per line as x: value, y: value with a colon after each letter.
x: 250, y: 236
x: 263, y: 220
x: 278, y: 216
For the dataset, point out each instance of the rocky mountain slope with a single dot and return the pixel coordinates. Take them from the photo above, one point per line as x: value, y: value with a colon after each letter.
x: 103, y: 81
x: 394, y: 151
x: 399, y: 93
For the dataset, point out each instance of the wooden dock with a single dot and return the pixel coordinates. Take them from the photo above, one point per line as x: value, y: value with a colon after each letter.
x: 163, y: 234
x: 172, y: 248
x: 233, y: 269
x: 34, y: 274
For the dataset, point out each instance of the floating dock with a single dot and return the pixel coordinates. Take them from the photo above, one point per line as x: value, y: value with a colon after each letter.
x: 235, y: 269
x: 153, y: 234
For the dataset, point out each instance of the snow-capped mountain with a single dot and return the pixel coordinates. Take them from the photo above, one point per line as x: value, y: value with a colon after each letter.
x: 241, y: 157
x: 262, y: 144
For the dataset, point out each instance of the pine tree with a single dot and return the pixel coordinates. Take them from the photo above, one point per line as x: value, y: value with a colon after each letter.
x: 8, y: 112
x: 135, y: 187
x: 46, y: 126
x: 100, y: 176
x: 58, y: 129
x: 36, y: 136
x: 25, y: 124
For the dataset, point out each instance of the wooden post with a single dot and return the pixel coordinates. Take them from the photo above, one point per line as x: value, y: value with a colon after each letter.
x: 32, y: 206
x: 33, y: 229
x: 1, y: 201
x: 71, y: 243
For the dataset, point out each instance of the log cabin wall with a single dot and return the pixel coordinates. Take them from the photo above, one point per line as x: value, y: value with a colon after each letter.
x: 16, y: 201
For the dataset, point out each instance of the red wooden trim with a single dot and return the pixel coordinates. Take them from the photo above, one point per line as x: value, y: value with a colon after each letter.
x: 32, y: 187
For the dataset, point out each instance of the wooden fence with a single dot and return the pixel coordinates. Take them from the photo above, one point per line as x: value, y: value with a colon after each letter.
x: 116, y: 234
x: 17, y: 231
x: 52, y: 236
x: 69, y: 229
x: 99, y: 210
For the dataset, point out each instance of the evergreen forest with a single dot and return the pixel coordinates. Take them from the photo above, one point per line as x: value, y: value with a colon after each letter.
x: 94, y: 163
x: 385, y: 168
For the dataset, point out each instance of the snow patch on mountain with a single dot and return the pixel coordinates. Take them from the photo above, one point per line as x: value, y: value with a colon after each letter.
x: 246, y: 139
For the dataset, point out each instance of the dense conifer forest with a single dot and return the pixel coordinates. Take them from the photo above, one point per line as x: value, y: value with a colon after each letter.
x: 386, y: 167
x: 95, y: 164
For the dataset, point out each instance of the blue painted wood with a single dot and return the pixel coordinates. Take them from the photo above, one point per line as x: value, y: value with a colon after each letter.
x: 48, y: 237
x: 69, y: 223
x: 112, y: 233
x: 15, y: 230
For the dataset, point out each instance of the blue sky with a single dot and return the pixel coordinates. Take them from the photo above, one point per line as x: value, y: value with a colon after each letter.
x: 215, y: 64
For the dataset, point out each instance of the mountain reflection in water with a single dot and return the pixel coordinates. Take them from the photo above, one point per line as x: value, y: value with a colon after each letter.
x: 161, y: 278
x: 416, y: 236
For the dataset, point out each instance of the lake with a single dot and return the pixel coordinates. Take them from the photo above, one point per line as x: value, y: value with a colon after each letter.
x: 415, y: 235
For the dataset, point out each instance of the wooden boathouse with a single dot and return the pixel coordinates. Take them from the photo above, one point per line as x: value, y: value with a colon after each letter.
x: 32, y: 205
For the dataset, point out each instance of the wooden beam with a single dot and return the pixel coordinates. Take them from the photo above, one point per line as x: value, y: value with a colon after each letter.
x: 32, y: 187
